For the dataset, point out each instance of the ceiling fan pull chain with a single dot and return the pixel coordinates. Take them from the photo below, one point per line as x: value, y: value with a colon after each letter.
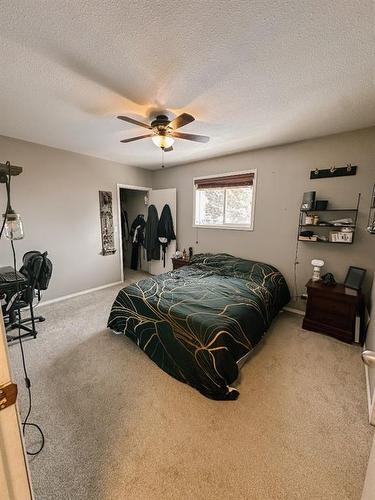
x: 162, y: 157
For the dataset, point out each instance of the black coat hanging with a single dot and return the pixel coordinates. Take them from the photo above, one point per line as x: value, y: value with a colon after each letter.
x: 165, y: 229
x: 152, y: 243
x: 137, y: 237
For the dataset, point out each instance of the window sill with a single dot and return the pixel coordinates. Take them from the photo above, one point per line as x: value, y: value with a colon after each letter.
x: 235, y: 228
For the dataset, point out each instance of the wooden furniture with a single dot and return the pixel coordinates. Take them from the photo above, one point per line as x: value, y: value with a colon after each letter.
x: 333, y: 310
x: 177, y: 263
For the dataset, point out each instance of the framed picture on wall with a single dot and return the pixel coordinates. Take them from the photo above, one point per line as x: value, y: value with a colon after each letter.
x: 106, y: 221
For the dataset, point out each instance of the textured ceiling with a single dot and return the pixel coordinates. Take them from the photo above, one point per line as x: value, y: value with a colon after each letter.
x: 253, y: 73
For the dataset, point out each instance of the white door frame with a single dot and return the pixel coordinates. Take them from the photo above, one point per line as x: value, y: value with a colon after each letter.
x: 119, y: 232
x: 14, y: 473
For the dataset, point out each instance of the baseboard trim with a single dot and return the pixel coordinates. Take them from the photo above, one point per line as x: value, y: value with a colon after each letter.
x: 369, y: 405
x: 370, y: 400
x: 295, y: 311
x: 76, y: 294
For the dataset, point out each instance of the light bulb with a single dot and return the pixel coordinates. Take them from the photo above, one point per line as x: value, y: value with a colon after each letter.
x: 13, y: 226
x: 162, y: 141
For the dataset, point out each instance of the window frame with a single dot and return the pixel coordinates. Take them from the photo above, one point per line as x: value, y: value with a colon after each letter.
x: 236, y: 227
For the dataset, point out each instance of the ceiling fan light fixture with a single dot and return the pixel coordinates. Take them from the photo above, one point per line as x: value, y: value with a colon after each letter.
x: 162, y: 141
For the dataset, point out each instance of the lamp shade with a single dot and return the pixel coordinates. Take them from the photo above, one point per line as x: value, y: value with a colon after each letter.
x: 13, y: 226
x: 162, y: 141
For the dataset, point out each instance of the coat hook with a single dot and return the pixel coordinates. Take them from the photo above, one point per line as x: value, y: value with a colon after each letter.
x: 316, y: 171
x: 332, y: 170
x: 349, y: 167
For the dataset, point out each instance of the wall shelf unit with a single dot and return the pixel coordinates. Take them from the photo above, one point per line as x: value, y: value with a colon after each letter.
x: 326, y: 232
x: 371, y: 213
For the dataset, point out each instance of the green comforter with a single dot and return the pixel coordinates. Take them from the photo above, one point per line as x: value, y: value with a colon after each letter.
x: 198, y: 321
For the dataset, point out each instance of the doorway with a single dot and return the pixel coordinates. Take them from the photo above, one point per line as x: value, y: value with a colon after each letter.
x: 132, y: 200
x: 132, y: 212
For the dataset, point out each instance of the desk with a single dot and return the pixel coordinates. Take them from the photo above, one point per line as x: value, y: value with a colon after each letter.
x: 7, y: 286
x: 333, y: 310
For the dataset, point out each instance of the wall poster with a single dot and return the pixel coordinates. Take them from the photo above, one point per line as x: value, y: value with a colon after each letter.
x: 106, y: 221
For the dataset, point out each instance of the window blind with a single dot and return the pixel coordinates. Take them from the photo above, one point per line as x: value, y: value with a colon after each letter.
x: 225, y: 181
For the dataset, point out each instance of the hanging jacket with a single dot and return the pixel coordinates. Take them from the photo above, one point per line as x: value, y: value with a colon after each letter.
x: 152, y: 243
x: 165, y: 229
x: 137, y: 238
x: 137, y: 229
x: 125, y: 224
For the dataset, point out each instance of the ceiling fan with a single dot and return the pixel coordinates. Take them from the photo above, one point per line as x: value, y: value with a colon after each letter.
x: 163, y: 131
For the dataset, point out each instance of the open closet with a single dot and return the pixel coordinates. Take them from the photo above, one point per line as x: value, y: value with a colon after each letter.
x: 133, y: 205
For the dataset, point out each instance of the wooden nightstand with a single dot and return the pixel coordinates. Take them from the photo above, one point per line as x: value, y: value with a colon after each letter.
x: 333, y: 309
x: 177, y: 263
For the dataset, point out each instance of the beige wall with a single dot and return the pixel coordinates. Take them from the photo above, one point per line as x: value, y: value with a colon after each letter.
x: 283, y: 176
x: 57, y: 196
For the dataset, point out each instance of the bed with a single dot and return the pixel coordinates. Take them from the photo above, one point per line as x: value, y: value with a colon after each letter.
x: 197, y: 323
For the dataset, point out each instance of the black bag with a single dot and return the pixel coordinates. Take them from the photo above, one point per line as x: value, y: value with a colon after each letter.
x: 45, y: 272
x: 37, y: 265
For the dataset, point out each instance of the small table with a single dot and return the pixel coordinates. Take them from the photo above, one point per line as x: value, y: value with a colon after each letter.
x: 333, y: 310
x: 177, y: 263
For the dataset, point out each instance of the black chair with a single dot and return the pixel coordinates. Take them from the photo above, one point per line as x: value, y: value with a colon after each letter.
x: 32, y: 269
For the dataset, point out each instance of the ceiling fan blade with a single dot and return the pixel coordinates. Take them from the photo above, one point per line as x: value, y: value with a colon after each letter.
x: 134, y: 122
x: 166, y: 150
x: 131, y: 139
x: 191, y: 137
x: 181, y: 121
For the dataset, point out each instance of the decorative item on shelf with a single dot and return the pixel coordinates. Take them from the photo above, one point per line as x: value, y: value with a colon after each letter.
x: 346, y: 229
x: 315, y: 220
x: 178, y: 254
x: 371, y: 214
x: 106, y: 221
x: 309, y: 220
x: 333, y: 172
x: 184, y: 255
x: 347, y: 221
x: 321, y: 205
x: 308, y: 200
x: 317, y: 265
x: 307, y: 236
x: 341, y: 236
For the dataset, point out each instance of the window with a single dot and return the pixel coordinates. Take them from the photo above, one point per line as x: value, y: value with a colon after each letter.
x: 225, y: 201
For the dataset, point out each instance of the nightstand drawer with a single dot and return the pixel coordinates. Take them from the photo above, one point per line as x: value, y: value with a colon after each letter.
x: 331, y: 310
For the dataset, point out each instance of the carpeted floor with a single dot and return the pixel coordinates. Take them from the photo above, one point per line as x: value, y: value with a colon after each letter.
x: 117, y: 427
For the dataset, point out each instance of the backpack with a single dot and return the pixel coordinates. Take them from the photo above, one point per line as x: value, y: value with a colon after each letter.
x: 38, y: 266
